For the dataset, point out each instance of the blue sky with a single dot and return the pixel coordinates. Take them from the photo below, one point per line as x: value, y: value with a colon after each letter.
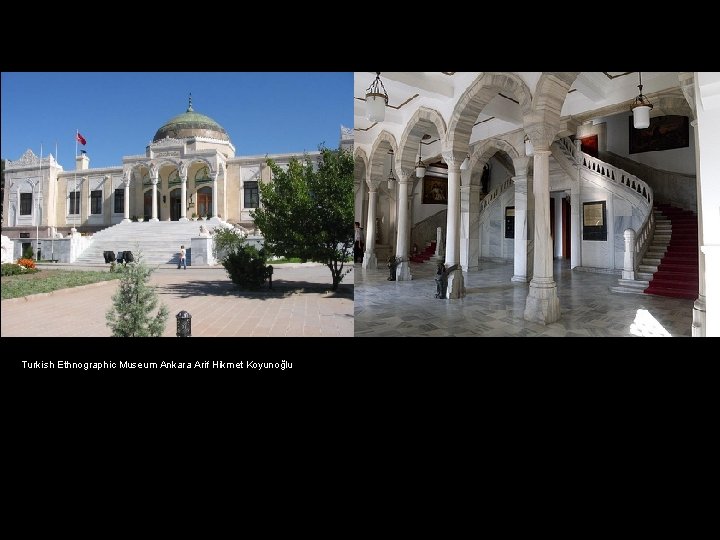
x: 119, y: 113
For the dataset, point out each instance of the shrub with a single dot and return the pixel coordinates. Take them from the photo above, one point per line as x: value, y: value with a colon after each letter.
x: 27, y: 263
x: 226, y: 240
x: 246, y: 267
x: 10, y: 269
x: 134, y: 303
x: 28, y: 253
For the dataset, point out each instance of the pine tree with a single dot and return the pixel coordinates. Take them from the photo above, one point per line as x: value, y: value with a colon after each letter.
x: 133, y: 304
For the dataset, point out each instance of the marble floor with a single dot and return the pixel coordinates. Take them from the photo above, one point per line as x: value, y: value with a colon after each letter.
x: 494, y: 306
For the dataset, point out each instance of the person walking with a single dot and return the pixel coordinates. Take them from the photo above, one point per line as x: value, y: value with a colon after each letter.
x: 359, y: 243
x: 181, y: 260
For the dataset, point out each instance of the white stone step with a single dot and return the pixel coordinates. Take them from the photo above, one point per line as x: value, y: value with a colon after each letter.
x: 651, y: 261
x: 644, y: 276
x: 652, y: 268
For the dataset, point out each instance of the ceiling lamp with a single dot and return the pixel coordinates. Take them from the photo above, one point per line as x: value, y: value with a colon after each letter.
x: 641, y: 109
x: 529, y: 149
x: 465, y: 164
x: 420, y: 167
x: 391, y: 178
x: 375, y: 100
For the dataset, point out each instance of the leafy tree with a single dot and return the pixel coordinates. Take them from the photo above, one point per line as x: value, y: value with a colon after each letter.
x: 133, y: 304
x: 308, y: 212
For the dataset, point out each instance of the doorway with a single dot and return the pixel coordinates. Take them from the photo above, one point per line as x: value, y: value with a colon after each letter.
x: 175, y: 202
x: 204, y: 202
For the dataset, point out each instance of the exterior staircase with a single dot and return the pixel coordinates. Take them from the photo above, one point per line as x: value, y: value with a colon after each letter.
x: 677, y: 271
x: 158, y: 241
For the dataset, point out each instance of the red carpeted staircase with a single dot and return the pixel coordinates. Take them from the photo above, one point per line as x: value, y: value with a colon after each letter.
x: 425, y: 254
x: 677, y: 274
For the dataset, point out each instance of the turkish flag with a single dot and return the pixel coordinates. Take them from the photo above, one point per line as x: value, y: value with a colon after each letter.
x: 81, y: 139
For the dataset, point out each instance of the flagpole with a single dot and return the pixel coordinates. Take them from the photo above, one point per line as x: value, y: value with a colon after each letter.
x: 75, y: 190
x: 37, y: 213
x: 53, y: 229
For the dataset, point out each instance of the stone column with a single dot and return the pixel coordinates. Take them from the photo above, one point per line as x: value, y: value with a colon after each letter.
x: 154, y: 180
x: 359, y: 197
x: 576, y: 213
x: 215, y: 194
x: 403, y: 225
x: 126, y: 200
x: 698, y: 322
x: 456, y: 286
x: 543, y: 305
x: 183, y: 195
x: 469, y: 225
x: 520, y: 243
x: 369, y: 259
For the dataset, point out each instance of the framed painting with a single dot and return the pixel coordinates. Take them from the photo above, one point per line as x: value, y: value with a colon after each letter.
x: 590, y: 145
x: 435, y: 190
x: 594, y: 221
x: 664, y: 133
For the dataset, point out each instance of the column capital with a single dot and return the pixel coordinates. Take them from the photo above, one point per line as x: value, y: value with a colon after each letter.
x: 541, y: 135
x: 521, y: 165
x: 405, y: 175
x: 453, y: 158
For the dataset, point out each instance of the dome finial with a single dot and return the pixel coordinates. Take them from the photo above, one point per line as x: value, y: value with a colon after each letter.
x: 190, y: 109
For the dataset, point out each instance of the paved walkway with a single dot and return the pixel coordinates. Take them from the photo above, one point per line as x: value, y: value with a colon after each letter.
x: 300, y: 304
x: 494, y: 306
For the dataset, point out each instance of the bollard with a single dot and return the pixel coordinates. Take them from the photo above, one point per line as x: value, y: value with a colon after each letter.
x: 269, y: 274
x: 184, y: 324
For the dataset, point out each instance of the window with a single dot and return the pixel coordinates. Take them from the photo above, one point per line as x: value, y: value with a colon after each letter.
x: 119, y: 201
x: 96, y: 202
x: 74, y: 202
x: 252, y: 197
x: 25, y: 204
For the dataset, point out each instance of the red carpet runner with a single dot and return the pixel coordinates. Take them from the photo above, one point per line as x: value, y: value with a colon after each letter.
x: 425, y: 254
x: 677, y: 274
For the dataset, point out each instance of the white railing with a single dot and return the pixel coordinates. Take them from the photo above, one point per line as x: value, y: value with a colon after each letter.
x: 643, y: 238
x: 490, y: 197
x: 629, y: 181
x: 613, y: 174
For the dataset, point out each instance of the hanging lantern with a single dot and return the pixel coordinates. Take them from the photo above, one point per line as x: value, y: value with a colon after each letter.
x: 641, y: 109
x: 375, y: 100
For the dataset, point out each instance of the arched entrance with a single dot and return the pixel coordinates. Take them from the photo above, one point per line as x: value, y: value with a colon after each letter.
x: 204, y: 201
x: 175, y: 204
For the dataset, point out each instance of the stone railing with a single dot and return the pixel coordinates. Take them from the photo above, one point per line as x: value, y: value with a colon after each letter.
x: 490, y: 197
x: 636, y: 244
x: 612, y: 174
x: 423, y: 232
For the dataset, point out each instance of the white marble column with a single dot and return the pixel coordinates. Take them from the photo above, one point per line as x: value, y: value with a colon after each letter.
x: 215, y: 194
x: 687, y: 85
x: 359, y: 197
x: 520, y: 243
x: 403, y: 225
x: 469, y: 226
x: 698, y: 320
x: 369, y: 258
x: 543, y: 305
x: 126, y: 201
x: 456, y: 285
x: 183, y: 196
x: 154, y: 180
x: 575, y: 213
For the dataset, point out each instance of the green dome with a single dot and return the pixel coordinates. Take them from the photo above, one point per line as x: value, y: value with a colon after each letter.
x: 191, y: 124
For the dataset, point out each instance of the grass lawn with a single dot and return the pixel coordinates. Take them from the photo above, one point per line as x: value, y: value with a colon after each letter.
x: 50, y: 280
